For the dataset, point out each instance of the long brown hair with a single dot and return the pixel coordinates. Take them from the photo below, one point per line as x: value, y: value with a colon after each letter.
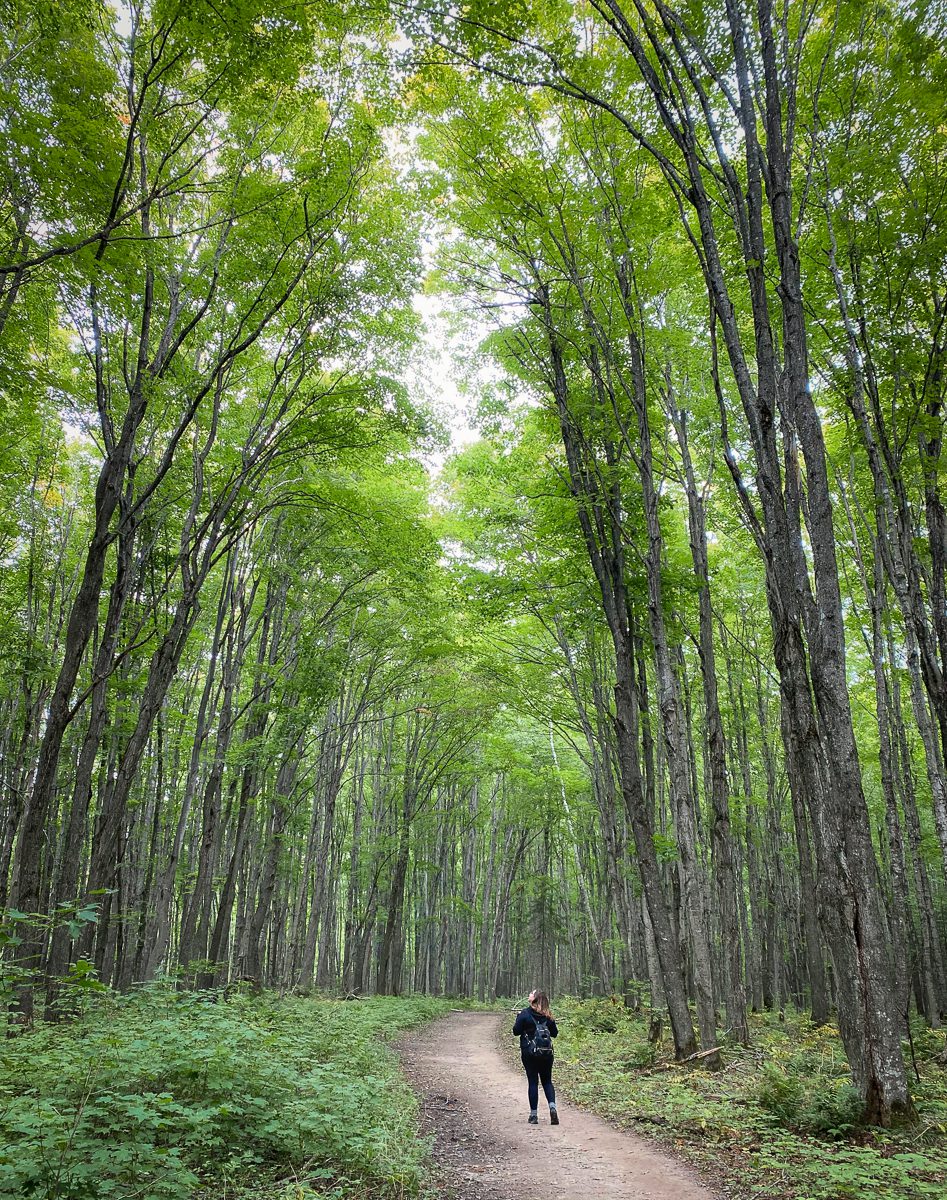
x: 540, y: 1001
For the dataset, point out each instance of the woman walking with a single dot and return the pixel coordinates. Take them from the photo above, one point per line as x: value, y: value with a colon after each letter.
x: 536, y: 1027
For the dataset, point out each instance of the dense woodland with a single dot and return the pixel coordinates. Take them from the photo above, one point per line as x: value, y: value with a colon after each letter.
x: 643, y: 693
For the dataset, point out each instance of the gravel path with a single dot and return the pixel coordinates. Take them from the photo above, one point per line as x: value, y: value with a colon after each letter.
x: 474, y: 1105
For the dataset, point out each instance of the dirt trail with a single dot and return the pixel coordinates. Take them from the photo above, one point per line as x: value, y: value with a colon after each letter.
x: 474, y: 1103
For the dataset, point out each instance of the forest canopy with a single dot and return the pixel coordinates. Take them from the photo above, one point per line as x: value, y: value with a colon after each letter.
x: 642, y: 693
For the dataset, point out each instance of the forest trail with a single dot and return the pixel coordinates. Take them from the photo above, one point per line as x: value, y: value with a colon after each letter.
x: 474, y: 1104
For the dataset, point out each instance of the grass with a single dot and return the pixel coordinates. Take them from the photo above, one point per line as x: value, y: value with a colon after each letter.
x: 163, y: 1095
x: 779, y: 1122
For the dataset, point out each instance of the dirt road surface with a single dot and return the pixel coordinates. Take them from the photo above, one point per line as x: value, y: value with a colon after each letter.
x: 474, y: 1105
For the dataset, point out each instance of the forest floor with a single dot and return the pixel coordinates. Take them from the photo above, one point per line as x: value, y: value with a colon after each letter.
x: 473, y: 1105
x: 779, y: 1121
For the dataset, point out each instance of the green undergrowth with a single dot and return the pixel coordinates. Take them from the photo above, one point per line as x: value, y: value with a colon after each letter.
x: 779, y: 1121
x: 163, y: 1095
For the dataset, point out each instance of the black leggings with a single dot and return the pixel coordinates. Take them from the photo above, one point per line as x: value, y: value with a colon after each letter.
x: 539, y: 1070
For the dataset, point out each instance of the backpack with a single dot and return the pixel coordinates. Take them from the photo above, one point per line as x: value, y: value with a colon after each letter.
x: 539, y: 1043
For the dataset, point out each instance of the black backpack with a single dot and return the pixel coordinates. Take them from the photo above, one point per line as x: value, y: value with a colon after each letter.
x: 539, y: 1043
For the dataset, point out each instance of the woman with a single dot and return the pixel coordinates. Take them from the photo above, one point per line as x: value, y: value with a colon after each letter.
x: 535, y: 1026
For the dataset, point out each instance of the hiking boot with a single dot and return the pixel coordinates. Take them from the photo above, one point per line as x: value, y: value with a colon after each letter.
x: 553, y: 1117
x: 532, y: 1119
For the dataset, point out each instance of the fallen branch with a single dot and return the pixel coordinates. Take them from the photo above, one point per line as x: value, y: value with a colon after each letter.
x: 701, y: 1054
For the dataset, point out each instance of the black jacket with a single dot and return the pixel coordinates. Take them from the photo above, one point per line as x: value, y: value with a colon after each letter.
x: 525, y: 1026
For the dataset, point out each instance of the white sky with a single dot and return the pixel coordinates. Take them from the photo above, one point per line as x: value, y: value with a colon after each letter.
x: 434, y: 375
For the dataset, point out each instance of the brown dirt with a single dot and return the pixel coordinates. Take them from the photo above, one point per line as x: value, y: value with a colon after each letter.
x: 474, y: 1105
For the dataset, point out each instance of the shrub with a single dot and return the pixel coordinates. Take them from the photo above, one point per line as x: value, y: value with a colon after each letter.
x: 780, y: 1094
x: 163, y: 1093
x: 831, y: 1111
x: 641, y: 1054
x: 820, y: 1106
x: 602, y: 1015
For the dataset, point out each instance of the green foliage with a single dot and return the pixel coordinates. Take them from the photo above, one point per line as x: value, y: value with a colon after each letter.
x: 826, y: 1108
x: 780, y: 1093
x: 15, y: 973
x: 166, y: 1094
